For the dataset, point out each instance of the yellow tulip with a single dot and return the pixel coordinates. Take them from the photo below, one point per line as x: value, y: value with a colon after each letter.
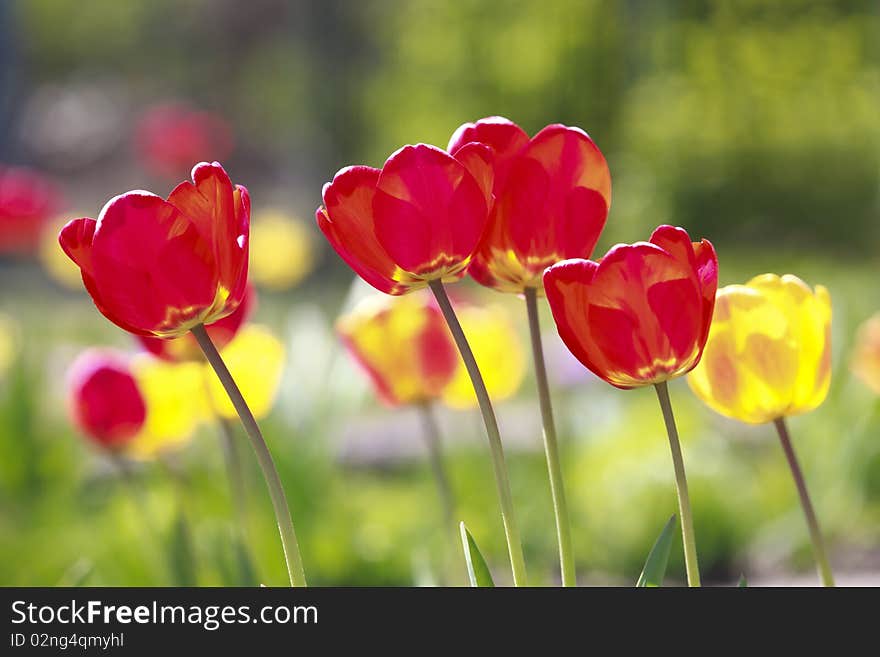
x: 8, y: 342
x: 175, y: 395
x: 403, y: 345
x: 865, y: 362
x: 499, y: 352
x: 255, y: 358
x: 768, y: 355
x: 282, y: 251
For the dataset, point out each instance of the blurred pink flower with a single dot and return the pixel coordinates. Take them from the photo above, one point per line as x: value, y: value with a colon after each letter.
x: 104, y: 399
x: 170, y: 136
x: 27, y: 200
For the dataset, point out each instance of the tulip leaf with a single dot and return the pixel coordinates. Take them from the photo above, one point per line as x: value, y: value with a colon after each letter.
x: 742, y: 582
x: 181, y: 553
x: 478, y: 571
x: 655, y: 566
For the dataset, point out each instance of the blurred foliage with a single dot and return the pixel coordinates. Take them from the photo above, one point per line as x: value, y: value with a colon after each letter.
x: 742, y: 121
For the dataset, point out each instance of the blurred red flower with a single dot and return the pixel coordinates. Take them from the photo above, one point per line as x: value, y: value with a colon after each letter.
x: 221, y: 332
x: 160, y: 267
x: 27, y: 200
x: 417, y: 219
x: 104, y: 399
x: 552, y: 195
x: 170, y: 136
x: 403, y: 345
x: 640, y: 315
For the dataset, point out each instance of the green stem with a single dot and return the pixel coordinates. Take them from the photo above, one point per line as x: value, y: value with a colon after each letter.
x: 234, y: 472
x: 812, y: 522
x: 681, y: 488
x: 292, y: 556
x: 502, y: 481
x: 434, y: 443
x: 551, y: 447
x: 431, y: 432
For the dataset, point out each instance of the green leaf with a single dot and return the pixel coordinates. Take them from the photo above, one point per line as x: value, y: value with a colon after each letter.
x: 742, y: 582
x: 478, y: 571
x: 181, y: 557
x: 655, y: 566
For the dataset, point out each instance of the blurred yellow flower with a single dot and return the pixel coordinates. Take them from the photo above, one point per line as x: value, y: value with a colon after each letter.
x: 255, y: 358
x: 403, y: 345
x: 865, y: 362
x: 176, y: 399
x: 56, y: 263
x: 769, y: 350
x: 499, y: 352
x: 8, y: 342
x: 282, y: 250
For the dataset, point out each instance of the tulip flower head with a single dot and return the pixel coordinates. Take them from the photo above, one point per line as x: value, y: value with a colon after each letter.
x: 768, y: 355
x: 403, y: 345
x: 170, y: 136
x: 159, y: 267
x: 552, y: 195
x: 255, y: 358
x: 416, y: 220
x: 104, y: 399
x: 27, y: 200
x: 221, y: 332
x: 499, y: 351
x: 641, y: 314
x: 282, y: 250
x: 175, y: 394
x: 865, y: 362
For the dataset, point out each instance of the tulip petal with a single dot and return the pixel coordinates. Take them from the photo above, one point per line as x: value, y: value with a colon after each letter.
x: 567, y: 287
x: 167, y: 282
x: 429, y: 212
x: 477, y: 158
x: 552, y: 206
x: 348, y: 223
x: 504, y: 137
x: 209, y: 203
x: 76, y: 240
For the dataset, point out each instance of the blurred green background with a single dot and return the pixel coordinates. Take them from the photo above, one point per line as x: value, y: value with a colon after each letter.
x: 754, y: 124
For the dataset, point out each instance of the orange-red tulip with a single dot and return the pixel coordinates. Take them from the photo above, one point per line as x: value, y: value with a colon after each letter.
x: 552, y: 195
x: 221, y: 332
x: 403, y: 345
x: 416, y: 220
x: 27, y: 201
x: 160, y: 267
x: 104, y: 399
x: 640, y: 315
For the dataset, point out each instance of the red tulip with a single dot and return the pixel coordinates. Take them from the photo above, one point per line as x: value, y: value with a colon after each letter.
x: 160, y: 267
x: 221, y: 332
x: 104, y: 399
x: 417, y: 219
x: 552, y: 195
x: 170, y: 136
x: 640, y: 315
x: 27, y: 200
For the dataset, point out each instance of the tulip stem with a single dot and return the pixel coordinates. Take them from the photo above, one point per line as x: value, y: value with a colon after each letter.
x: 551, y: 447
x: 821, y: 556
x: 292, y: 556
x: 681, y: 488
x: 234, y: 471
x: 511, y: 530
x: 434, y: 443
x: 431, y: 431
